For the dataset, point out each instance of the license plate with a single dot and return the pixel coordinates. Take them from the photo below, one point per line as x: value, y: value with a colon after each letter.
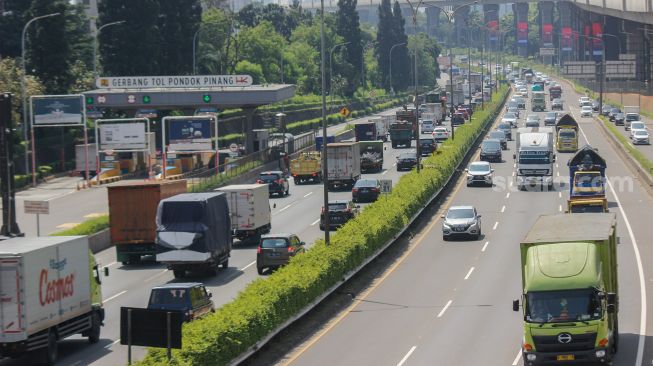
x: 460, y: 229
x: 565, y: 358
x: 273, y: 254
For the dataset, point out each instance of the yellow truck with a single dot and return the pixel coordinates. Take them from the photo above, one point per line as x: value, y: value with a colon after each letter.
x: 567, y: 134
x: 307, y: 167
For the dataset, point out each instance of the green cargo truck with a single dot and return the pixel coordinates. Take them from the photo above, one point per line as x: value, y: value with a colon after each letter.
x: 401, y: 134
x: 538, y: 103
x: 570, y: 293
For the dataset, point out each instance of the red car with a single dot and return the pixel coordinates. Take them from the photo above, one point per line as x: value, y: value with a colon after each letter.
x: 464, y: 113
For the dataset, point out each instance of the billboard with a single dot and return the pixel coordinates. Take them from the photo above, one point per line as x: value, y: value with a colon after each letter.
x: 57, y: 110
x: 493, y: 29
x: 547, y: 35
x: 566, y: 40
x: 122, y: 136
x: 597, y: 43
x: 522, y: 33
x: 191, y: 134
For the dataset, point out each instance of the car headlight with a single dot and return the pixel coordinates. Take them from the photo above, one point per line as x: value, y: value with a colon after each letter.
x: 600, y: 353
x: 445, y: 225
x: 531, y: 357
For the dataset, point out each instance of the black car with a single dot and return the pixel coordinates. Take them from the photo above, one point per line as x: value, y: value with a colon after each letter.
x: 550, y: 118
x: 506, y: 128
x: 457, y: 119
x: 277, y: 182
x: 406, y: 161
x: 491, y: 150
x: 192, y: 298
x: 595, y: 106
x: 427, y: 146
x: 606, y: 109
x: 619, y: 119
x: 366, y: 190
x: 612, y: 112
x: 340, y: 211
x: 275, y: 250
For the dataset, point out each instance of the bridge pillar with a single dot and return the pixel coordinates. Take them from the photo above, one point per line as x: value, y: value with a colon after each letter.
x: 248, y: 129
x: 460, y: 22
x: 565, y: 35
x: 545, y: 11
x: 432, y: 20
x: 520, y: 11
x: 491, y: 21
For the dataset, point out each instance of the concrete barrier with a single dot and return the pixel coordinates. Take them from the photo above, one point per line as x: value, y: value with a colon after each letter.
x: 99, y: 241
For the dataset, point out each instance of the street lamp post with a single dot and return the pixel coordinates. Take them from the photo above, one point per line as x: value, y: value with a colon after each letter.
x: 392, y: 91
x: 325, y: 171
x: 331, y: 71
x: 601, y: 69
x: 23, y: 82
x: 97, y: 33
x: 621, y: 89
x: 415, y: 9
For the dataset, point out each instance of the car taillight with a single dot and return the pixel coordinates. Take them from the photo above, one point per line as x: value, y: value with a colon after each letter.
x: 314, y: 174
x: 375, y: 189
x: 322, y: 209
x: 259, y: 181
x: 291, y: 249
x: 354, y: 190
x: 258, y: 250
x: 349, y: 210
x: 279, y: 181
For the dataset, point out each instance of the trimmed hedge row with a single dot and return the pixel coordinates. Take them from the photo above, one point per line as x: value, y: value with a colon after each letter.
x: 88, y: 227
x: 266, y: 303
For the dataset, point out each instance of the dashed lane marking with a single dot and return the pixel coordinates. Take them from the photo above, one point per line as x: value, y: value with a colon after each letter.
x: 444, y: 308
x: 469, y: 273
x: 485, y: 246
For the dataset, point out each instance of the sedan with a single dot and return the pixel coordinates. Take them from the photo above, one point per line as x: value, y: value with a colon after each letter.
x: 636, y: 125
x: 406, y: 161
x: 595, y: 105
x: 586, y: 111
x: 619, y: 119
x: 506, y: 128
x: 639, y: 137
x: 515, y: 111
x: 509, y: 118
x: 550, y: 118
x: 440, y: 133
x: 606, y: 109
x: 340, y: 211
x: 366, y: 190
x: 491, y: 150
x: 462, y: 221
x: 613, y: 112
x: 556, y: 104
x: 499, y: 135
x: 479, y: 172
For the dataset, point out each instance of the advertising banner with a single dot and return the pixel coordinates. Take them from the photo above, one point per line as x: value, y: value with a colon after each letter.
x: 191, y: 134
x: 566, y: 41
x: 522, y: 33
x: 122, y: 136
x: 493, y: 28
x: 547, y: 35
x: 57, y: 110
x: 597, y: 44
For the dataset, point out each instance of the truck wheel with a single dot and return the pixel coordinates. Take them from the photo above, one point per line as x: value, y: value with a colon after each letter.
x: 52, y: 349
x: 259, y: 270
x: 178, y: 273
x: 296, y: 181
x: 94, y: 333
x: 225, y: 264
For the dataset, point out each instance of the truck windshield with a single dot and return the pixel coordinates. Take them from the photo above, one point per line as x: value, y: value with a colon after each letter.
x: 567, y: 134
x: 525, y: 158
x: 588, y: 180
x: 562, y: 306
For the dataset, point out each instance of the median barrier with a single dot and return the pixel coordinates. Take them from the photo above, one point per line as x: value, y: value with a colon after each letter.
x: 267, y: 306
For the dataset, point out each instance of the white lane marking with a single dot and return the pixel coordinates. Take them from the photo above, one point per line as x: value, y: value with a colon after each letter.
x: 315, y: 222
x: 558, y: 173
x: 485, y: 246
x: 513, y: 174
x: 156, y: 275
x: 395, y: 164
x: 469, y: 273
x: 495, y: 225
x: 560, y: 208
x: 308, y: 194
x: 559, y: 194
x: 385, y: 171
x: 112, y: 344
x: 640, y: 271
x: 516, y: 361
x: 247, y: 266
x: 503, y: 208
x: 444, y: 309
x: 508, y: 195
x: 285, y: 207
x: 116, y: 295
x: 412, y: 349
x: 111, y: 264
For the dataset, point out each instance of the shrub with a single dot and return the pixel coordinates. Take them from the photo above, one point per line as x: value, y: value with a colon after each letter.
x: 87, y: 227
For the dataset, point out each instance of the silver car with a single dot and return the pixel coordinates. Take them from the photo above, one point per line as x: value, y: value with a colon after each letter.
x: 461, y: 221
x: 479, y: 172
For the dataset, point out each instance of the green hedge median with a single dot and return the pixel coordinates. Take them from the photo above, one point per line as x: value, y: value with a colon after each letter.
x: 88, y: 227
x: 266, y: 303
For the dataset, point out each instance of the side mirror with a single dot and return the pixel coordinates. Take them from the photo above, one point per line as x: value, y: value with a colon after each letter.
x: 479, y: 216
x: 491, y: 170
x: 358, y: 206
x: 611, y: 308
x: 514, y: 156
x: 466, y: 170
x: 515, y: 305
x: 106, y: 271
x: 611, y: 298
x: 442, y: 216
x: 302, y: 243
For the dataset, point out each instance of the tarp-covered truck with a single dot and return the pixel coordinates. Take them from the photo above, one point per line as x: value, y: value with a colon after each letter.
x: 365, y: 131
x: 49, y: 290
x: 132, y: 216
x: 307, y: 167
x: 567, y: 134
x: 371, y: 156
x: 249, y: 208
x: 344, y: 164
x: 570, y: 302
x: 587, y: 182
x: 194, y: 232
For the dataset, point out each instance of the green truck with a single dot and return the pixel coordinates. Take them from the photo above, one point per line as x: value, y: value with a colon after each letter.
x: 538, y: 103
x: 403, y: 130
x: 570, y: 294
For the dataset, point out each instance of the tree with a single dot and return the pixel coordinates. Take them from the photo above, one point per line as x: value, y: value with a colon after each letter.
x: 262, y: 45
x: 11, y: 74
x: 11, y: 26
x: 401, y: 67
x: 385, y: 40
x: 348, y: 27
x: 80, y: 38
x: 178, y: 23
x: 253, y: 69
x: 213, y: 41
x: 427, y: 52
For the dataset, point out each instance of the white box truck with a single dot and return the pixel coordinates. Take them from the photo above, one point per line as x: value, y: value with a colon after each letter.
x: 343, y: 164
x: 49, y: 290
x: 80, y: 158
x: 382, y: 126
x: 249, y: 208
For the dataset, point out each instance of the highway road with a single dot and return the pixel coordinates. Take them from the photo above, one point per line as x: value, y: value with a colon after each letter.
x: 449, y: 303
x: 130, y: 285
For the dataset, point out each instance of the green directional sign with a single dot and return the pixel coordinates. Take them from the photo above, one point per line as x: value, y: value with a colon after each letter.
x: 146, y: 99
x: 90, y: 100
x: 206, y: 98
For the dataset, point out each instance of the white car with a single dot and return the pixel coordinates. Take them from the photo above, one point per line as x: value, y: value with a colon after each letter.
x: 427, y: 126
x: 639, y: 137
x: 461, y: 220
x: 586, y: 111
x: 582, y: 100
x: 440, y: 133
x: 636, y: 125
x: 479, y: 172
x: 509, y: 118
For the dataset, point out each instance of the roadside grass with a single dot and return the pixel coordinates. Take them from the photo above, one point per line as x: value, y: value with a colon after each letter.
x: 88, y: 227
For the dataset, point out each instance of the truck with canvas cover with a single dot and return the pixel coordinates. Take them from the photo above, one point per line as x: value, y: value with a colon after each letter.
x: 371, y: 156
x: 132, y: 216
x: 249, y: 208
x: 534, y: 157
x: 555, y: 92
x: 194, y: 232
x: 569, y: 297
x: 538, y: 103
x: 587, y: 182
x: 50, y: 290
x: 365, y: 131
x: 344, y: 164
x: 307, y: 167
x: 566, y: 134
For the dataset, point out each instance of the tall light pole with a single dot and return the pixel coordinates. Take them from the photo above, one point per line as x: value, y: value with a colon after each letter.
x: 415, y: 9
x: 601, y: 69
x: 22, y: 84
x: 450, y: 17
x: 95, y: 36
x: 325, y: 171
x: 197, y: 32
x: 392, y: 91
x: 621, y: 89
x: 331, y: 71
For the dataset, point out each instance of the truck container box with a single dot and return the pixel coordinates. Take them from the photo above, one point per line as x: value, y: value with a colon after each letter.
x: 249, y: 206
x: 343, y: 161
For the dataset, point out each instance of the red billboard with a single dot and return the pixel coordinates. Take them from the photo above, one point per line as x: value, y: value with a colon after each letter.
x: 566, y: 40
x: 522, y: 33
x: 597, y: 43
x: 493, y: 28
x: 547, y: 34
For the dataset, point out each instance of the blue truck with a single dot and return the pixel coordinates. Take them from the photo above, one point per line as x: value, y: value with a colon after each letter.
x: 318, y: 141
